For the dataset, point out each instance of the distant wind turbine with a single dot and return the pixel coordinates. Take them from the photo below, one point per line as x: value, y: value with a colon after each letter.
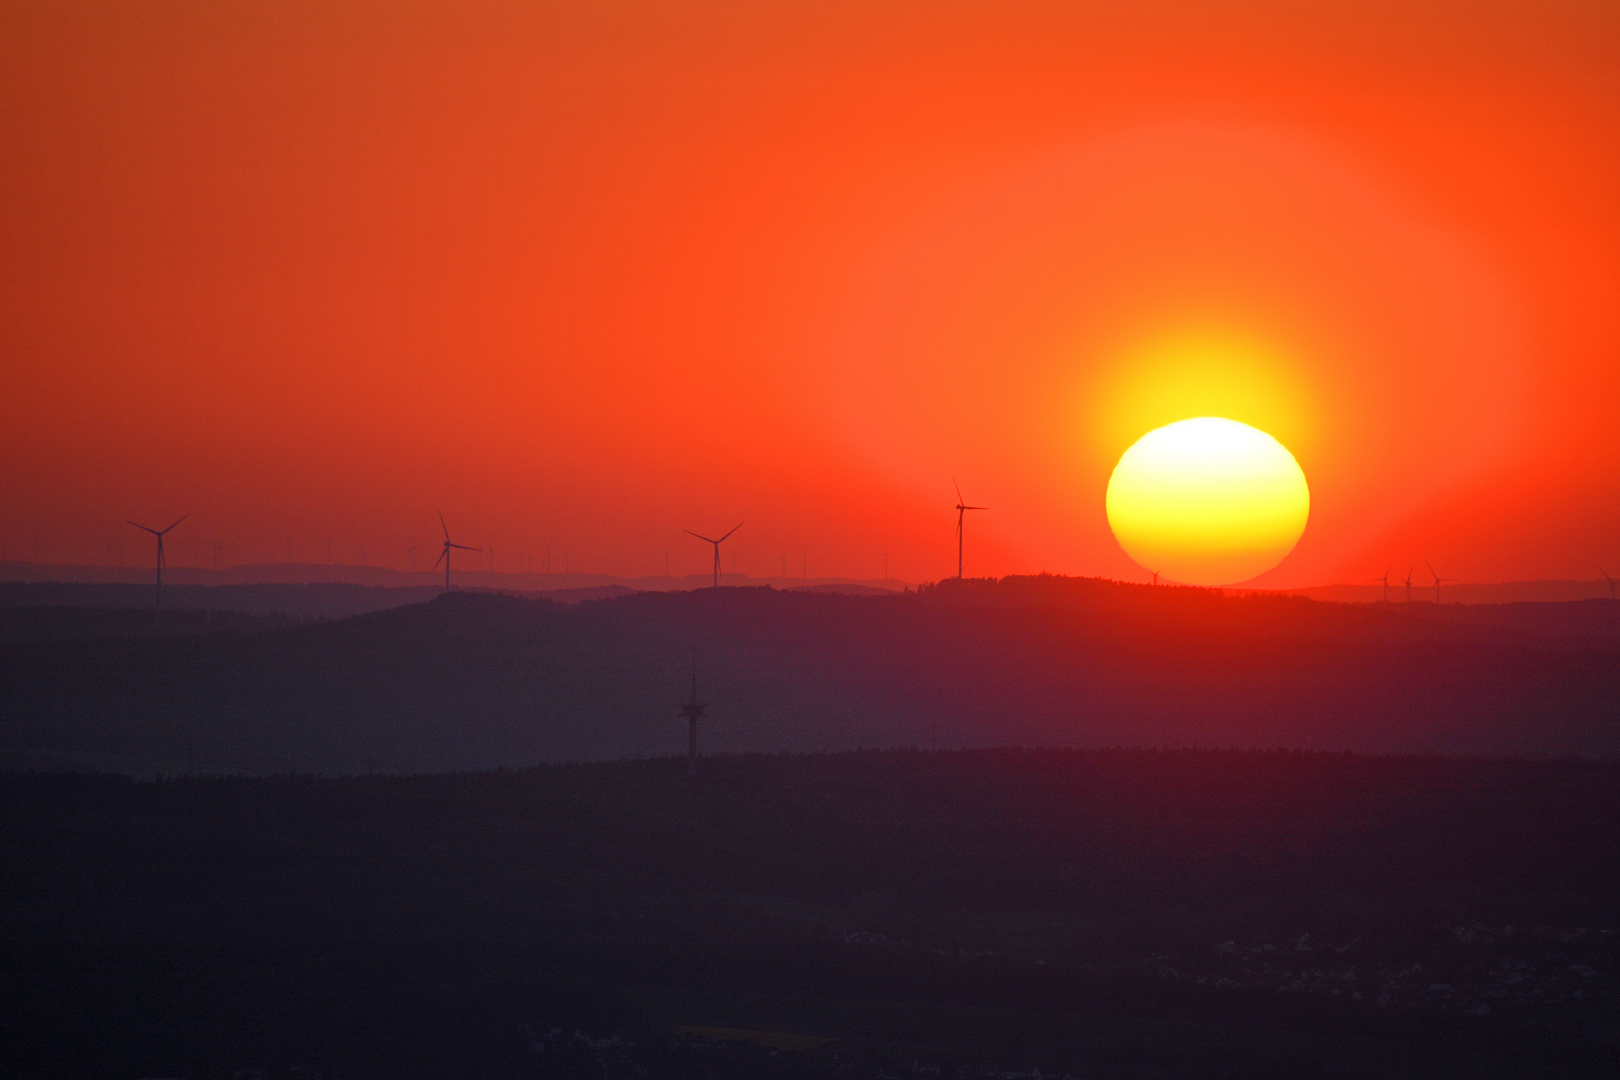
x: 1385, y: 580
x: 1437, y: 580
x: 961, y: 514
x: 1609, y: 579
x: 1408, y: 582
x: 159, y: 533
x: 1156, y: 574
x: 716, y: 544
x: 444, y: 555
x: 693, y: 710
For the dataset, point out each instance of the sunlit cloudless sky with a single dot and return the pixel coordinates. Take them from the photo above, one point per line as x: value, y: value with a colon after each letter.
x: 591, y: 274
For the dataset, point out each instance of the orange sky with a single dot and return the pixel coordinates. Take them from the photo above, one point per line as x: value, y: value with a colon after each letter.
x: 589, y: 274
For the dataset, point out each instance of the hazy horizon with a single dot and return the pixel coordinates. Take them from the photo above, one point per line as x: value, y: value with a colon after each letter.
x: 1549, y: 590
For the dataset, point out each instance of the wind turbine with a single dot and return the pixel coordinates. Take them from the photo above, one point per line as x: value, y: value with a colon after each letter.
x: 961, y: 513
x: 1156, y: 574
x: 1385, y: 580
x: 159, y: 533
x: 1408, y: 582
x: 1437, y: 580
x: 1609, y: 579
x: 716, y: 544
x: 444, y: 556
x: 693, y: 710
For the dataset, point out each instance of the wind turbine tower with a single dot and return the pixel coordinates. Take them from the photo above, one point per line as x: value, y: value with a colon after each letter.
x: 159, y: 533
x: 444, y: 555
x: 716, y: 544
x: 1385, y: 581
x: 1437, y: 580
x: 694, y: 710
x: 961, y: 513
x: 1408, y: 583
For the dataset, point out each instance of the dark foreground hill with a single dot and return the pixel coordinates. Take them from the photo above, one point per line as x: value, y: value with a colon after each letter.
x: 1095, y: 914
x: 483, y: 680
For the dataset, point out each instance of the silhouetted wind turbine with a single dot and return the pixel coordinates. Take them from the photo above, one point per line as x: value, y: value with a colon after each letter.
x: 1385, y: 580
x: 159, y: 533
x: 1408, y: 583
x: 1156, y: 574
x: 716, y: 544
x: 693, y: 710
x: 1437, y: 580
x: 1609, y: 579
x: 961, y: 514
x: 444, y: 556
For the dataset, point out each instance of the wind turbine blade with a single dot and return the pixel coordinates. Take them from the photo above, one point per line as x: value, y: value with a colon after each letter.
x: 958, y: 488
x: 463, y: 547
x: 177, y: 521
x: 700, y: 536
x: 442, y: 556
x: 143, y: 528
x: 739, y: 525
x: 443, y: 526
x: 975, y: 508
x: 1430, y: 565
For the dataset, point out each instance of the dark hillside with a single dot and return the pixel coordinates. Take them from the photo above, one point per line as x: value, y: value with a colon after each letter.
x: 1034, y: 609
x: 291, y: 602
x: 1106, y: 914
x: 475, y: 680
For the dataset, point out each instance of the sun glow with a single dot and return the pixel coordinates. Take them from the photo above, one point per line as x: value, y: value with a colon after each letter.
x: 1208, y: 501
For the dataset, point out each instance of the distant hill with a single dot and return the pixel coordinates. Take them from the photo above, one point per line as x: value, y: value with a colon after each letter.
x: 1506, y: 592
x: 844, y: 590
x: 384, y: 577
x: 480, y: 680
x: 292, y: 601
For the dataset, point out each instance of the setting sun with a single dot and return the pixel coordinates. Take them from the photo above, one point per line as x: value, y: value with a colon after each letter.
x: 1208, y: 501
